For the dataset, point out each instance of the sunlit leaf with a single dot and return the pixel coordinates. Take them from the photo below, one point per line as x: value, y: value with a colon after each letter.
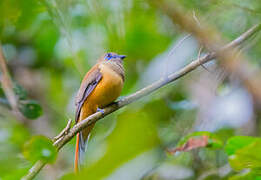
x: 247, y: 157
x: 238, y: 142
x: 40, y: 148
x: 244, y: 156
x: 31, y: 109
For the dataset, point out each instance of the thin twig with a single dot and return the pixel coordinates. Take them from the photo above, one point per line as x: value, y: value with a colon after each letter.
x: 195, y: 18
x: 59, y: 143
x: 64, y: 131
x: 199, y: 54
x: 201, y: 47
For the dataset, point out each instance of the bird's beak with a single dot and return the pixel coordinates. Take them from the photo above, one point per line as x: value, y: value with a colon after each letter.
x: 122, y: 56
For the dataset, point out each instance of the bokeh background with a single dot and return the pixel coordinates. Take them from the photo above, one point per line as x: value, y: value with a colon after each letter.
x: 50, y: 44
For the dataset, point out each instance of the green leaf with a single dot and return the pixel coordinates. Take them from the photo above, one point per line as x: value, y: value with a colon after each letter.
x: 237, y: 142
x: 244, y: 153
x: 247, y: 157
x: 30, y: 109
x: 20, y: 91
x: 40, y: 148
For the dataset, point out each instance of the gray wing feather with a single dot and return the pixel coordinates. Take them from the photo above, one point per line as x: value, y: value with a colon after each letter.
x: 86, y: 88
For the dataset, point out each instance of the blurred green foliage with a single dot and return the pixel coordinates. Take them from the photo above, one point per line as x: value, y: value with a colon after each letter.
x: 50, y: 44
x: 30, y: 109
x: 39, y: 148
x: 20, y: 92
x: 242, y: 151
x: 238, y: 142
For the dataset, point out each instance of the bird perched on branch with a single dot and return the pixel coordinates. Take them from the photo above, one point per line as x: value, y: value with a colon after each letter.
x: 101, y: 86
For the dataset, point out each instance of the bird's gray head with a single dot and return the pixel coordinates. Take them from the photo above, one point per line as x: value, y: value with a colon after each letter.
x: 114, y: 61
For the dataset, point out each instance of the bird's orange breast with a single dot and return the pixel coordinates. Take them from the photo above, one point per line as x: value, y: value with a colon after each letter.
x: 107, y: 91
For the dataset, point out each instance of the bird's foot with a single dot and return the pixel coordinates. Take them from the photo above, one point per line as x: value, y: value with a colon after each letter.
x: 101, y: 110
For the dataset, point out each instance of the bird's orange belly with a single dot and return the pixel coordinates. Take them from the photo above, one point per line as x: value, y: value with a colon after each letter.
x: 107, y: 91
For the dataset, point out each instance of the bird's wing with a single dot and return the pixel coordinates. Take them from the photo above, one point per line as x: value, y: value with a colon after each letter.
x: 90, y: 81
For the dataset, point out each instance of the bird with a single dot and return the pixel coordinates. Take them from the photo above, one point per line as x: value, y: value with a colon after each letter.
x: 101, y: 86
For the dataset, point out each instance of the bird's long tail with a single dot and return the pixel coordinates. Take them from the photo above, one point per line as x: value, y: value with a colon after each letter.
x: 81, y: 145
x: 77, y: 153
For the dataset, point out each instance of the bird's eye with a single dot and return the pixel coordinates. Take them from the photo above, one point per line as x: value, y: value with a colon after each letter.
x: 108, y: 56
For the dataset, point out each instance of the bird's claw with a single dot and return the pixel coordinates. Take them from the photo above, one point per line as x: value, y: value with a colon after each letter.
x: 101, y: 111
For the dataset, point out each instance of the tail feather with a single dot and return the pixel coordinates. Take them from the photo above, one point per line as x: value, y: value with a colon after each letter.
x: 81, y: 146
x: 77, y: 154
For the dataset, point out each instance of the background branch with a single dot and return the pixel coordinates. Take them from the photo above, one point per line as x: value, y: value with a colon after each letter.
x: 59, y: 143
x: 212, y: 41
x: 7, y: 86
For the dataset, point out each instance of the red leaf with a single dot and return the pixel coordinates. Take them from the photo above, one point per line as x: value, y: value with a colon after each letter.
x: 192, y: 143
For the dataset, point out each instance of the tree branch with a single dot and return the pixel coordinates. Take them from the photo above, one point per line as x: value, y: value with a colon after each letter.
x: 7, y: 86
x: 212, y: 41
x: 59, y: 143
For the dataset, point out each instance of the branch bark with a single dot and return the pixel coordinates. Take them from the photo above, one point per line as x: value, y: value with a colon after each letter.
x: 59, y: 143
